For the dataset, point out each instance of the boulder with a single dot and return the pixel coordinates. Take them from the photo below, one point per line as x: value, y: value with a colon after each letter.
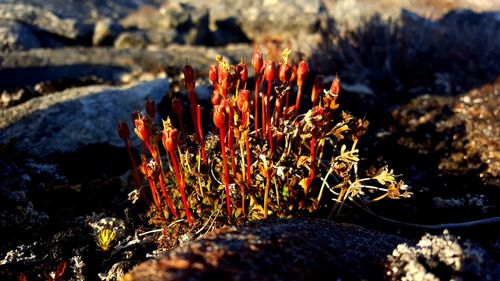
x: 72, y: 119
x: 297, y: 249
x: 316, y: 249
x: 46, y: 21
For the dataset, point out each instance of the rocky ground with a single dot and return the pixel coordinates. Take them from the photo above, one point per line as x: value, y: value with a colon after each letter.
x: 424, y: 73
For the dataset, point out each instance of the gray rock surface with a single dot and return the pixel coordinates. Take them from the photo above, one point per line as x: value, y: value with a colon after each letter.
x: 227, y: 21
x: 88, y: 10
x: 351, y: 13
x: 16, y: 36
x: 297, y: 249
x: 45, y: 20
x: 69, y: 120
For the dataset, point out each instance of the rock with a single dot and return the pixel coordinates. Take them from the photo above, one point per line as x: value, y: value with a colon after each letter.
x: 105, y: 32
x: 441, y: 257
x: 297, y: 249
x: 10, y: 98
x: 16, y: 36
x: 466, y: 130
x: 188, y: 23
x: 107, y: 63
x: 46, y: 21
x: 259, y: 19
x: 89, y: 11
x: 445, y: 56
x: 479, y: 110
x: 351, y: 13
x: 143, y: 39
x: 69, y: 120
x: 223, y: 22
x: 132, y: 40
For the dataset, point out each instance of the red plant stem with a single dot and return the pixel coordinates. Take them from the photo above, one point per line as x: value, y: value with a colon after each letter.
x: 264, y: 127
x: 256, y: 107
x: 311, y: 176
x: 231, y: 142
x: 268, y: 116
x: 181, y: 184
x: 153, y: 152
x: 154, y: 193
x: 136, y: 175
x: 247, y: 146
x: 167, y: 198
x: 226, y: 172
x: 185, y: 202
x: 297, y: 103
x: 179, y: 117
x: 200, y: 132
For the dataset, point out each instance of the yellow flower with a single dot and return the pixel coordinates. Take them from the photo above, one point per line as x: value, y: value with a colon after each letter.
x: 104, y: 238
x: 385, y: 175
x: 285, y: 54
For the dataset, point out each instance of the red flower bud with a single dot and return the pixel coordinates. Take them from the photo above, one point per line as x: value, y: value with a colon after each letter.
x: 212, y: 73
x: 285, y: 73
x: 220, y: 117
x: 242, y: 101
x: 177, y: 106
x: 151, y: 108
x: 317, y: 89
x: 270, y: 71
x: 302, y: 72
x: 242, y: 71
x: 257, y: 62
x: 123, y: 131
x: 224, y: 78
x: 216, y: 97
x: 335, y: 87
x: 142, y: 128
x: 170, y: 139
x: 188, y: 76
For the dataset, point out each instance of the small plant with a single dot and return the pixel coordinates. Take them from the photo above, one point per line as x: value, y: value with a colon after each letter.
x: 105, y: 238
x: 281, y: 168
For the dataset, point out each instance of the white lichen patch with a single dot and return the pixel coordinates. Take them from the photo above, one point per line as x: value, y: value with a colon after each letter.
x: 76, y: 265
x: 20, y: 253
x: 99, y: 224
x: 433, y: 256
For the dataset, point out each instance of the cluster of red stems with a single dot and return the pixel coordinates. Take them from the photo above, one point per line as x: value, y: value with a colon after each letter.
x: 277, y: 138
